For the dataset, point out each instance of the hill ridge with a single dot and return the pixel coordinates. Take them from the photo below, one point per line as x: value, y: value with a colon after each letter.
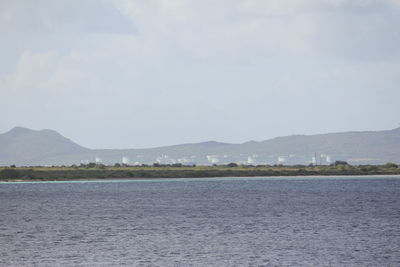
x: 24, y: 146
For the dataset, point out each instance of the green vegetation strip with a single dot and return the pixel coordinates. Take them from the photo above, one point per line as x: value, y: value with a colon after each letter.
x: 99, y: 171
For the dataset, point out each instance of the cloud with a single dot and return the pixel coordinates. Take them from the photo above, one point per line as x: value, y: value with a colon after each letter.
x: 252, y: 30
x: 45, y: 16
x: 195, y: 70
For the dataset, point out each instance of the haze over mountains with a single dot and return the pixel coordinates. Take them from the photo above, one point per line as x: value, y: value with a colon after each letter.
x: 26, y: 147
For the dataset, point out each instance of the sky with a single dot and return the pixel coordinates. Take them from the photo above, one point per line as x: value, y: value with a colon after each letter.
x: 146, y: 73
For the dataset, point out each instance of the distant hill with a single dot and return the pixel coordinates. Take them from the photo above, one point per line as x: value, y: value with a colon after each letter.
x: 22, y: 146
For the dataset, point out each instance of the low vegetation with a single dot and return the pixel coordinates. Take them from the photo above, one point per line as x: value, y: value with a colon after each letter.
x: 100, y: 171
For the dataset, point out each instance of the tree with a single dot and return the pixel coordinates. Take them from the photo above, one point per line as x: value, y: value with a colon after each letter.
x: 340, y: 162
x: 232, y: 165
x: 391, y: 165
x: 91, y: 165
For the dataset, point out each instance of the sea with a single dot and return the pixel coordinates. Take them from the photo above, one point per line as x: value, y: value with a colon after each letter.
x: 281, y: 221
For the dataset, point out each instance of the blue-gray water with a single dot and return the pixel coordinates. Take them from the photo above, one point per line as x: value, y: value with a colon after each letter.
x: 210, y: 222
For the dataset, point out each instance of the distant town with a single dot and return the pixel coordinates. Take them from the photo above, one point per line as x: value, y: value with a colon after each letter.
x: 254, y: 159
x: 27, y: 147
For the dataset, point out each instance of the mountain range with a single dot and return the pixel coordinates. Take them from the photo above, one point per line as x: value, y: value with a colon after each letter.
x: 25, y: 147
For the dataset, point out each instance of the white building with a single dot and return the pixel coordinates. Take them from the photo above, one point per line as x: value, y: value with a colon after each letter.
x: 125, y: 160
x: 213, y: 159
x: 328, y: 159
x: 250, y: 160
x: 314, y: 160
x: 281, y: 159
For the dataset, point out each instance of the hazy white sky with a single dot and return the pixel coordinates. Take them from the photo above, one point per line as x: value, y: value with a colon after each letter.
x: 141, y: 73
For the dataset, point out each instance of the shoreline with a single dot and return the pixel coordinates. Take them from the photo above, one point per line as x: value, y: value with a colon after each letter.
x: 101, y: 172
x: 159, y: 179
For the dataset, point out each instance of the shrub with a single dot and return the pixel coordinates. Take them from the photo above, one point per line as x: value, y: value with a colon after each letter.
x: 9, y: 173
x: 391, y: 165
x: 340, y: 162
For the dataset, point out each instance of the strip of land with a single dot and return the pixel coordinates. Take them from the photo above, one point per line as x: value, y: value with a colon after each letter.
x: 99, y: 171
